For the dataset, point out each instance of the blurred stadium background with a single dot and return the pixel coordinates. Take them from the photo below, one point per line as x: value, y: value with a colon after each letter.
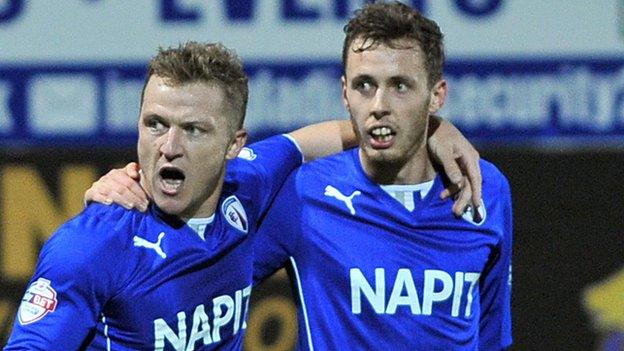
x: 538, y: 85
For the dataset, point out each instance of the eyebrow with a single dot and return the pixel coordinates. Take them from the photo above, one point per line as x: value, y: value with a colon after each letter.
x: 153, y: 115
x: 363, y: 77
x: 402, y: 79
x: 161, y: 118
x: 196, y: 122
x: 393, y: 79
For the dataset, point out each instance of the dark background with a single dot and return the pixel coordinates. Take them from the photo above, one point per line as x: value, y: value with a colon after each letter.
x: 568, y: 234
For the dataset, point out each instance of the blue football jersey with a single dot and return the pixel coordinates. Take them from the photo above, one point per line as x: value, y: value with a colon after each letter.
x: 113, y: 279
x: 372, y: 275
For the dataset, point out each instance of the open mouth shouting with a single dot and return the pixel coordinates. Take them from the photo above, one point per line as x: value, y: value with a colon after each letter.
x: 381, y: 137
x: 171, y: 180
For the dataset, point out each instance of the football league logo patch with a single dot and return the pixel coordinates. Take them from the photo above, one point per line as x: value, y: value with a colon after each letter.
x: 235, y: 213
x: 477, y: 218
x: 247, y: 154
x: 38, y: 301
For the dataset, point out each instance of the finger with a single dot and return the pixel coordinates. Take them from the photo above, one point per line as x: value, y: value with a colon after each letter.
x: 476, y: 184
x: 462, y: 199
x: 117, y: 186
x: 473, y: 172
x: 132, y: 170
x: 132, y: 187
x: 97, y: 193
x: 451, y: 167
x: 451, y: 190
x: 127, y: 200
x: 92, y: 196
x: 126, y: 191
x: 87, y: 197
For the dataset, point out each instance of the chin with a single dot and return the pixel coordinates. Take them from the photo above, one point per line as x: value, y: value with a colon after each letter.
x: 382, y: 155
x: 170, y: 206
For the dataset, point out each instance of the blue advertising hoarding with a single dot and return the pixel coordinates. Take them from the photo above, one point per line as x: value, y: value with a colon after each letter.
x: 529, y: 72
x: 516, y: 101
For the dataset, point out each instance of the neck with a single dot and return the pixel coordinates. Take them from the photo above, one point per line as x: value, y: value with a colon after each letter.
x: 416, y: 169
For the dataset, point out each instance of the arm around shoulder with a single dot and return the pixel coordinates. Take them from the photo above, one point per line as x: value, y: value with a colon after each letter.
x: 324, y: 138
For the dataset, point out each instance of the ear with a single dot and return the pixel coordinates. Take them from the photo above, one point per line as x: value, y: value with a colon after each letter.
x: 345, y: 101
x: 438, y: 96
x: 240, y: 138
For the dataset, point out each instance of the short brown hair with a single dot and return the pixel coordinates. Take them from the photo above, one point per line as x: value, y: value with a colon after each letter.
x: 205, y: 62
x: 384, y: 23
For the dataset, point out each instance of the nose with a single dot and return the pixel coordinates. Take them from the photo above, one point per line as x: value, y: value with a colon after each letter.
x: 171, y: 146
x: 380, y: 106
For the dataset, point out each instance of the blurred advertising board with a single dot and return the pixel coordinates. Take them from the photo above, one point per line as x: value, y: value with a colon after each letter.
x: 526, y: 72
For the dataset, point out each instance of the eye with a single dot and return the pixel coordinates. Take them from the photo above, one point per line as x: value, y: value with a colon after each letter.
x: 402, y: 87
x: 194, y: 130
x: 155, y: 126
x: 364, y: 86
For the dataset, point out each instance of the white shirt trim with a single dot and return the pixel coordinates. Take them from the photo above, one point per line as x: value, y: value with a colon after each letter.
x: 289, y: 137
x: 423, y: 188
x: 108, y: 341
x: 199, y: 225
x: 404, y: 194
x: 303, y: 304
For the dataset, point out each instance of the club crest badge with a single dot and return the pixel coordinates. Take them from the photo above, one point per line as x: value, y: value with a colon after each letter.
x: 247, y: 154
x: 475, y: 218
x: 38, y: 301
x: 234, y: 213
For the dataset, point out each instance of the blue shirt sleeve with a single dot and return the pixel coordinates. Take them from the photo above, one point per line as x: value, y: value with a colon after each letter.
x: 278, y: 234
x: 74, y: 277
x: 262, y: 168
x: 495, y: 324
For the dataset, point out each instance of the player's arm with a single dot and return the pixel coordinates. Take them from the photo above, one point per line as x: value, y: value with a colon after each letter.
x: 324, y: 138
x: 460, y: 161
x: 60, y: 307
x: 447, y: 145
x: 495, y: 283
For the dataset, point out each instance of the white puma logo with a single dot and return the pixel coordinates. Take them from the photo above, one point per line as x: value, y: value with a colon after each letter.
x: 140, y: 242
x: 348, y: 200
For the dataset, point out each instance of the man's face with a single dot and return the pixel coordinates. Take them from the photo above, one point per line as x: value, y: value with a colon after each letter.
x: 387, y: 95
x: 184, y: 142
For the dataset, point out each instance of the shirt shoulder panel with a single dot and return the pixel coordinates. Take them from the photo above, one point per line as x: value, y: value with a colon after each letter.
x: 260, y: 170
x: 92, y: 243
